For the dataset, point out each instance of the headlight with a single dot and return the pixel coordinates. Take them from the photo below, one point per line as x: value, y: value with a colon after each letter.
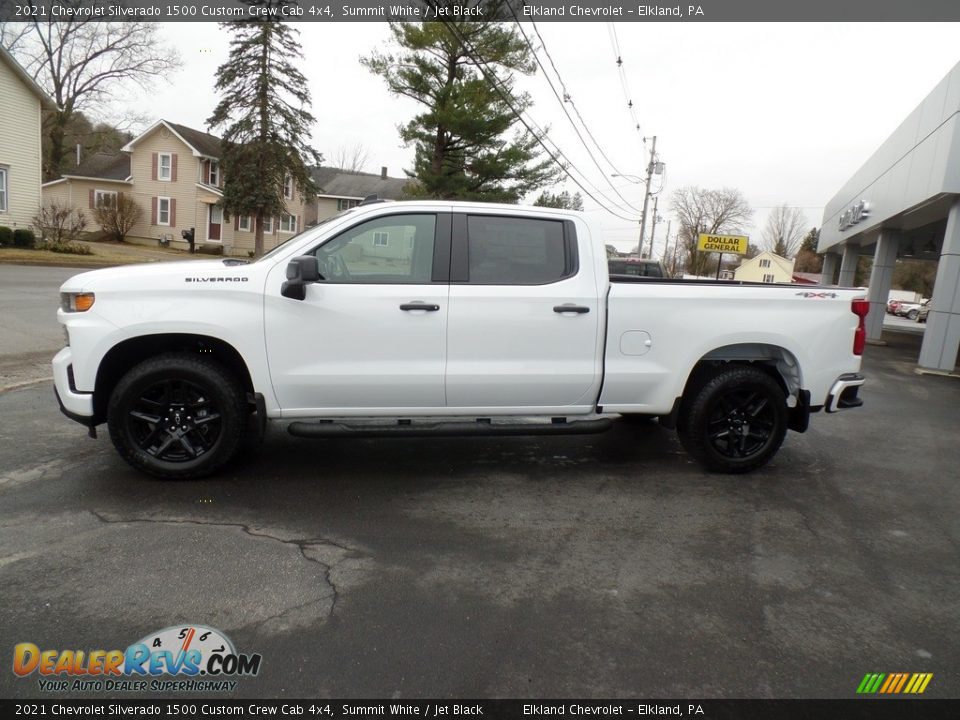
x: 76, y: 302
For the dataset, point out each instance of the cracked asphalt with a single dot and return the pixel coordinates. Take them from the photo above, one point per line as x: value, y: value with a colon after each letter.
x: 591, y: 566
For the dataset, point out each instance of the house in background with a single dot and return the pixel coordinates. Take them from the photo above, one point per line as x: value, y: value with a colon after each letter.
x: 174, y: 174
x: 93, y: 182
x: 21, y: 158
x: 765, y: 267
x: 339, y: 190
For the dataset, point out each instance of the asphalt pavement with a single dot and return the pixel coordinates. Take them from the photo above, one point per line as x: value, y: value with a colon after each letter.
x: 586, y: 566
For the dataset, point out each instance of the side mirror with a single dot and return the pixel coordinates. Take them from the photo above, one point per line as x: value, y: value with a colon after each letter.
x: 301, y: 271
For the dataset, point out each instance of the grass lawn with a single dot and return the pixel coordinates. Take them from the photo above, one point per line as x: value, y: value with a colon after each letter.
x: 104, y: 255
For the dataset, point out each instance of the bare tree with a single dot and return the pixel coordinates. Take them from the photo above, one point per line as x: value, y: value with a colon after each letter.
x: 700, y: 210
x: 117, y: 216
x: 784, y: 230
x: 350, y: 157
x: 58, y: 224
x: 85, y: 66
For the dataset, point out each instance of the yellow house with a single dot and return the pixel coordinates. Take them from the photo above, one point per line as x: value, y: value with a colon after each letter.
x: 20, y: 155
x: 174, y: 174
x: 765, y: 267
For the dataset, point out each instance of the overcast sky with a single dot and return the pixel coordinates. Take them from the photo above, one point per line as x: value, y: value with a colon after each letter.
x: 785, y: 112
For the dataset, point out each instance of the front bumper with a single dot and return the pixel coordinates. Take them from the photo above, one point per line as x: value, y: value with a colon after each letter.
x: 74, y: 404
x: 844, y: 394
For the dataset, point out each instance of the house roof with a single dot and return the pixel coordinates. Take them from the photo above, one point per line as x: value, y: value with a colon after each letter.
x: 205, y: 143
x: 25, y: 78
x: 202, y: 144
x: 336, y: 182
x: 102, y: 166
x: 807, y: 278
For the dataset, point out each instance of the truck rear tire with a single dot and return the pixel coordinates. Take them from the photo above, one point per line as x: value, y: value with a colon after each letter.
x: 736, y: 420
x: 177, y: 416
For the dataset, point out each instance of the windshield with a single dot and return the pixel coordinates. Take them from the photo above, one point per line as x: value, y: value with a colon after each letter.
x: 275, y: 250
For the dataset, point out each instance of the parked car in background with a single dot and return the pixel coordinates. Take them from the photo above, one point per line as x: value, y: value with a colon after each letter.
x: 911, y: 310
x: 892, y: 306
x: 922, y: 312
x: 638, y: 267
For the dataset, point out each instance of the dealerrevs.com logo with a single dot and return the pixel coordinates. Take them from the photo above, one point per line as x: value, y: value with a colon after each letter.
x: 198, y: 658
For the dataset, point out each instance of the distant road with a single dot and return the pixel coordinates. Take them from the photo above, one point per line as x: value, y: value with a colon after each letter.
x: 29, y: 332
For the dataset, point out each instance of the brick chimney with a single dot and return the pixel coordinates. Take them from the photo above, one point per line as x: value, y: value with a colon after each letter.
x: 383, y: 172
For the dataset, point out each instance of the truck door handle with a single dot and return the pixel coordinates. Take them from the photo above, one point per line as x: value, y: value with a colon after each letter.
x: 420, y: 306
x: 580, y: 309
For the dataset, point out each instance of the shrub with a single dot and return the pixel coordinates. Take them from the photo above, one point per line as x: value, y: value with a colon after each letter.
x: 59, y: 223
x: 210, y: 249
x: 118, y: 217
x: 24, y: 238
x: 69, y: 248
x: 6, y: 236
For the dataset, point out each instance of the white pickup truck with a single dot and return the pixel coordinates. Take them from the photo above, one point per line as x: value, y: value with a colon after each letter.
x: 445, y: 318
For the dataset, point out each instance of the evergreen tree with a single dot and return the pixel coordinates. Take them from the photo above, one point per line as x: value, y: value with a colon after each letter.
x: 462, y: 148
x: 563, y: 200
x: 807, y: 259
x: 264, y: 110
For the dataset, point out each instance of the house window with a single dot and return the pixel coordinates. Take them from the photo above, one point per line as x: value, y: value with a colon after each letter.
x: 163, y: 211
x: 765, y: 263
x: 768, y: 278
x: 3, y: 189
x: 288, y: 223
x: 104, y: 198
x: 346, y: 204
x: 165, y: 166
x: 288, y: 187
x: 268, y: 224
x: 381, y: 239
x: 214, y: 178
x: 244, y: 223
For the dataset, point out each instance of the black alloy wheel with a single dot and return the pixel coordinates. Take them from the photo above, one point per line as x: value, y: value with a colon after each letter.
x: 177, y: 416
x: 735, y: 419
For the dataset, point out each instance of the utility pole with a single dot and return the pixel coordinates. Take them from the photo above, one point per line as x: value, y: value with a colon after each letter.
x: 646, y: 195
x: 653, y: 226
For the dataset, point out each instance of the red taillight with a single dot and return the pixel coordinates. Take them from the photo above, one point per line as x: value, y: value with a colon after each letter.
x: 860, y: 308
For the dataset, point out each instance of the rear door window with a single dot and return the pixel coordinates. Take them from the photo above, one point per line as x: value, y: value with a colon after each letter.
x: 517, y: 251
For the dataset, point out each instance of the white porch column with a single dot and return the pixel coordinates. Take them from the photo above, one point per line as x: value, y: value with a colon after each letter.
x: 881, y: 277
x: 848, y: 266
x: 829, y: 271
x: 941, y: 340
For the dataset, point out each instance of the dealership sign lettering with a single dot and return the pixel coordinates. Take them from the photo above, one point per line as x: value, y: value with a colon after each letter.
x: 856, y: 213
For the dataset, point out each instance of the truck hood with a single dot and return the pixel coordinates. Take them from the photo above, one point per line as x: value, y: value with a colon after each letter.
x: 132, y: 276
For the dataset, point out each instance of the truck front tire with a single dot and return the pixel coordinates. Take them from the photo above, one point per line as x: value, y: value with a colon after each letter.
x: 735, y: 421
x: 177, y: 416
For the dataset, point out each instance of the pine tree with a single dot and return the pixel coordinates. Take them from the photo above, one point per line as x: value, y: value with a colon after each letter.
x: 462, y: 148
x: 563, y: 200
x: 264, y: 110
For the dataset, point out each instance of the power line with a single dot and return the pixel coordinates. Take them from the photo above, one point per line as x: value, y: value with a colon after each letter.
x: 615, y: 43
x: 480, y: 64
x: 565, y: 99
x: 569, y: 98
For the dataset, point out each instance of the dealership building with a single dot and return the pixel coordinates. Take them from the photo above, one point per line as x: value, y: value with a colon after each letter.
x: 902, y: 204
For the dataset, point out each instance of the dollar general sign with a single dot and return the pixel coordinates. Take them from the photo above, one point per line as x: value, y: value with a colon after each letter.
x: 723, y: 243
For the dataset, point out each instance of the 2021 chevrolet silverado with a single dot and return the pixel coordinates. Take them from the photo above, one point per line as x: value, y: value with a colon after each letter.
x: 451, y: 318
